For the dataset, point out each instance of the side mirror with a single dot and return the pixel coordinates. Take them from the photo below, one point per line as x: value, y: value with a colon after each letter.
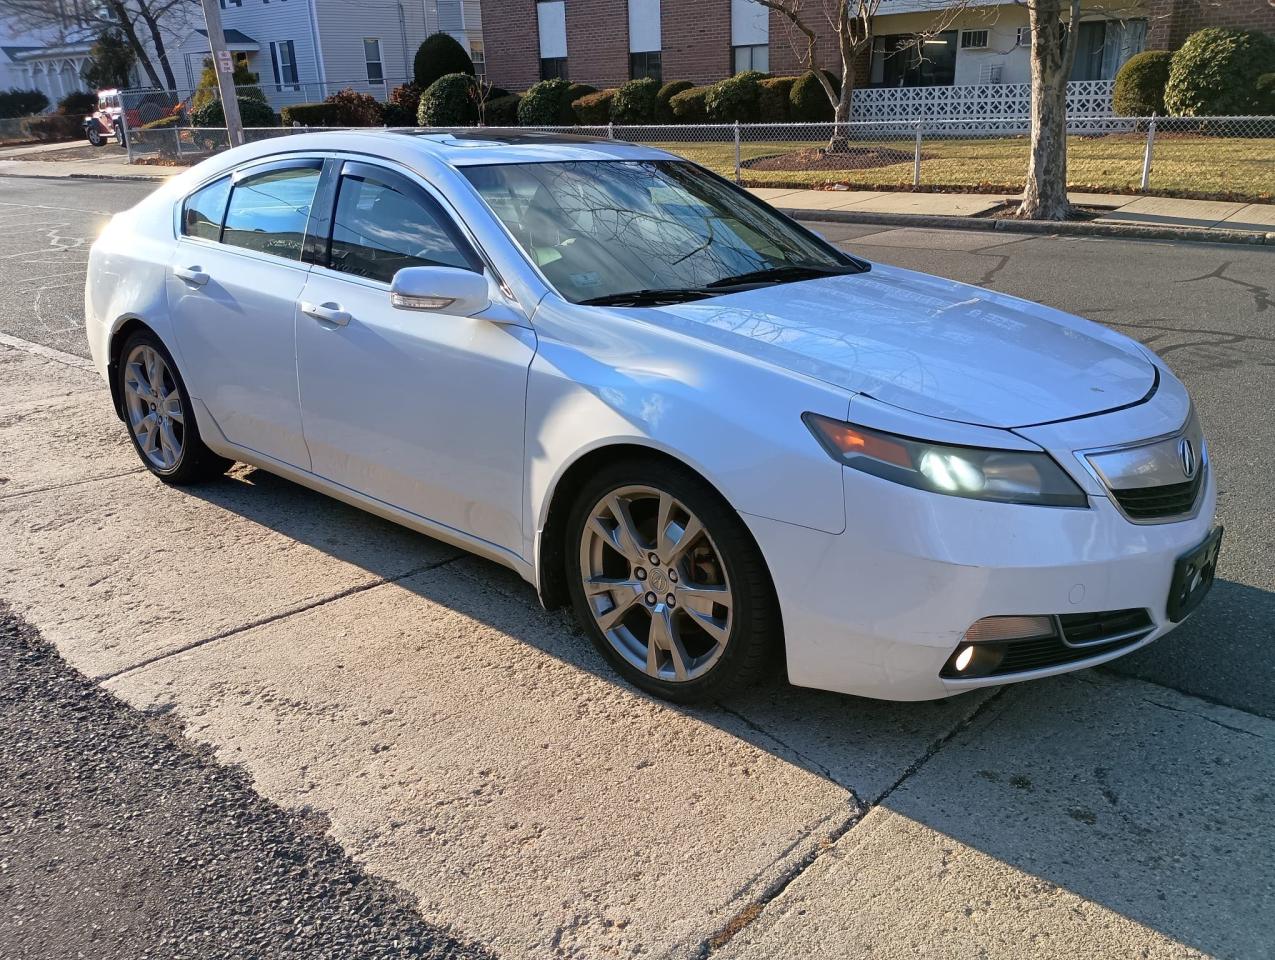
x: 442, y: 289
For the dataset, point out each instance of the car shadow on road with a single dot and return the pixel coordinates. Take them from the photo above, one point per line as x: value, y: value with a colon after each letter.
x: 1135, y: 798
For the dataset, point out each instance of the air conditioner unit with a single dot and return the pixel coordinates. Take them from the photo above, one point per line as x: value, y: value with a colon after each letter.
x: 990, y: 73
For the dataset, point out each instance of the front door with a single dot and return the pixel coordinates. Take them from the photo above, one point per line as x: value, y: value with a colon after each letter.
x: 422, y: 410
x: 233, y: 290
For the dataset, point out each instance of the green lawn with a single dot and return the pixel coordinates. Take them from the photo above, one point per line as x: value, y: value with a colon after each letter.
x: 1183, y: 165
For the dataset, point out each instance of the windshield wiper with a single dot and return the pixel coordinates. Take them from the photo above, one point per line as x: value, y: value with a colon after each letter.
x: 649, y: 298
x: 785, y: 273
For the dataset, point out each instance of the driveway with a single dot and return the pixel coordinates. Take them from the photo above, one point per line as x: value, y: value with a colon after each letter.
x: 472, y: 749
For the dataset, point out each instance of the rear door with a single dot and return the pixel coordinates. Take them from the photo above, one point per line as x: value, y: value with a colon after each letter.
x: 423, y: 410
x: 233, y: 290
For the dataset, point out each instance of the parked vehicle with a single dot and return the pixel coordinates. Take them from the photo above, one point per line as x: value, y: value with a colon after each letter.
x: 711, y: 431
x: 106, y: 122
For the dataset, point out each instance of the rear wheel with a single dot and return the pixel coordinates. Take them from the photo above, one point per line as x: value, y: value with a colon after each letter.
x: 159, y: 416
x: 669, y: 584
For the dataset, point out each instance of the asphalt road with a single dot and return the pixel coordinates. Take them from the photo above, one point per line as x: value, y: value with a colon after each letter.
x: 1206, y: 308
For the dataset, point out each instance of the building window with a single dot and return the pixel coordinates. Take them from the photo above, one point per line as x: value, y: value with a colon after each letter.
x: 645, y: 65
x: 553, y: 68
x: 372, y: 58
x: 231, y: 3
x: 283, y: 60
x: 754, y: 56
x: 1023, y: 37
x: 906, y: 60
x: 973, y: 39
x: 479, y: 59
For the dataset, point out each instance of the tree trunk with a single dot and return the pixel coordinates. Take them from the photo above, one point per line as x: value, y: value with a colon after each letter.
x: 127, y: 27
x: 1053, y: 53
x: 157, y: 41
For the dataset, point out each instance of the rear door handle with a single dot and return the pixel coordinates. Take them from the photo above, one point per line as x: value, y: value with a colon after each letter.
x: 327, y: 312
x: 192, y: 275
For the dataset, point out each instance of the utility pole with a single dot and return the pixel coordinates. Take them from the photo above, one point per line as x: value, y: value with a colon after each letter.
x: 224, y: 61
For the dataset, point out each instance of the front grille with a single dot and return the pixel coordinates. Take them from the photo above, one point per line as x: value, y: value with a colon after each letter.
x: 1079, y: 636
x: 1158, y: 503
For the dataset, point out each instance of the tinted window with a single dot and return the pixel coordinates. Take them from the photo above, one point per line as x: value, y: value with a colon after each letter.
x: 380, y: 229
x: 203, y: 210
x: 268, y: 212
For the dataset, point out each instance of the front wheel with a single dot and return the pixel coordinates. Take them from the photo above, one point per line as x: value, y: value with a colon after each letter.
x: 158, y: 412
x: 95, y: 135
x: 668, y: 583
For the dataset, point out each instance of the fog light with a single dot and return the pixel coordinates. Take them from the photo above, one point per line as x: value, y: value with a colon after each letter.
x: 963, y: 659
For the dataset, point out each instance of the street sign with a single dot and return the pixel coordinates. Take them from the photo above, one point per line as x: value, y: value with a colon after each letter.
x: 225, y: 61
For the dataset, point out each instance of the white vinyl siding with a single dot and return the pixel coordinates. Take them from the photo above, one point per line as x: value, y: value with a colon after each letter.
x: 644, y: 26
x: 551, y: 18
x: 344, y: 51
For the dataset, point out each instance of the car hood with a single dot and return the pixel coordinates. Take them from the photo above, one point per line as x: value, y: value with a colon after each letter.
x: 932, y: 346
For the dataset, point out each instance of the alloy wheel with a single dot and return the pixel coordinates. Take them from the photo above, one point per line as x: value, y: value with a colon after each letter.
x: 154, y: 407
x: 655, y: 583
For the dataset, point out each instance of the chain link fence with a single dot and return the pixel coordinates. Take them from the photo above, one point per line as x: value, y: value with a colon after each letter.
x: 1208, y: 157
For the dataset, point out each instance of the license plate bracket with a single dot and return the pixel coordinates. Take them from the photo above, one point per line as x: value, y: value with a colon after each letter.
x: 1193, y: 577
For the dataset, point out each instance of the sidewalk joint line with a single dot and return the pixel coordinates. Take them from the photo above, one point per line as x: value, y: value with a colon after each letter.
x: 105, y: 678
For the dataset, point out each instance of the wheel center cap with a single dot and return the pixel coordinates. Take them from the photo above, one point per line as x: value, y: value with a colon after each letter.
x: 659, y: 581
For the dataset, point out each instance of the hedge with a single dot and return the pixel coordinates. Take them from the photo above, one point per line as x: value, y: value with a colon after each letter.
x: 353, y: 109
x: 689, y: 106
x: 56, y: 126
x: 636, y: 102
x: 1215, y: 73
x: 1266, y: 91
x: 79, y: 104
x: 438, y: 56
x: 735, y: 98
x: 595, y: 109
x: 309, y: 115
x: 1139, y: 87
x: 546, y: 104
x: 253, y: 113
x: 402, y: 104
x: 449, y: 101
x: 808, y: 101
x: 667, y: 93
x: 503, y: 111
x: 172, y: 120
x: 21, y: 103
x: 772, y: 99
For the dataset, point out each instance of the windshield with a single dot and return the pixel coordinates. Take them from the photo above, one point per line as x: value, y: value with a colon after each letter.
x: 600, y: 229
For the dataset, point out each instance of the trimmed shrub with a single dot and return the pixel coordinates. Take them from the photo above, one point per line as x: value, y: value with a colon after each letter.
x: 1215, y: 73
x: 21, y: 103
x: 401, y: 106
x: 772, y: 99
x: 207, y: 91
x: 308, y: 115
x: 494, y: 93
x: 636, y: 102
x: 353, y: 109
x: 689, y: 106
x: 578, y: 90
x: 1266, y: 92
x: 253, y: 113
x: 450, y: 101
x: 503, y: 111
x: 546, y: 105
x: 735, y: 98
x: 438, y: 56
x: 667, y: 93
x: 172, y: 120
x: 79, y: 104
x: 807, y: 102
x: 56, y: 126
x: 1139, y: 88
x: 595, y: 109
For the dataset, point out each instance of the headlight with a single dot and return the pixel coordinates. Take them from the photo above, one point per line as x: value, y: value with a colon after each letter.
x: 1007, y: 476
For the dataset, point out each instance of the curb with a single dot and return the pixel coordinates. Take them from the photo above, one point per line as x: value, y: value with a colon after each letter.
x: 1064, y: 228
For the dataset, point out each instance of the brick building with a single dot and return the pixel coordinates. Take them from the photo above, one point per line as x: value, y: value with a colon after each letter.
x: 606, y: 42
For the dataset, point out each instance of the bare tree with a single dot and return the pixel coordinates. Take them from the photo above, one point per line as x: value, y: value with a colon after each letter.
x: 1054, y: 29
x: 850, y: 22
x: 142, y: 23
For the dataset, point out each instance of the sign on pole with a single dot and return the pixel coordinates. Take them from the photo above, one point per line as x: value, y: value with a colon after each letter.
x: 225, y: 62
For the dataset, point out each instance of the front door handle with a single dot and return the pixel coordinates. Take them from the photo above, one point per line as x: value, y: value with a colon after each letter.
x: 192, y: 275
x: 327, y: 312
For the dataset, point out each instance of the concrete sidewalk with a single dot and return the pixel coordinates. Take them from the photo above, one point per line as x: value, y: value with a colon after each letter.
x: 1161, y: 212
x: 473, y: 749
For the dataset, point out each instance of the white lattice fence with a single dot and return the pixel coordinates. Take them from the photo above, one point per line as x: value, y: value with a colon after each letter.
x: 986, y: 106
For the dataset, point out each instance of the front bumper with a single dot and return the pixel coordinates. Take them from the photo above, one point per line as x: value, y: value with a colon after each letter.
x: 877, y: 610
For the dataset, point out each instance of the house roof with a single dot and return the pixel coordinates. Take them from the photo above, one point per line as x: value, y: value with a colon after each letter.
x: 235, y: 39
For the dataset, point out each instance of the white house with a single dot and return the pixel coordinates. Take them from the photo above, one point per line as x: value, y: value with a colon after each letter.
x: 52, y: 62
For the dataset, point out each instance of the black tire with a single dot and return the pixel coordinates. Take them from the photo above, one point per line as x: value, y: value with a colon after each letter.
x: 95, y: 135
x: 196, y: 463
x: 755, y: 637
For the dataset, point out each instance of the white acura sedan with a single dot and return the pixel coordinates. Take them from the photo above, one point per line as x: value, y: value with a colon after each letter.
x: 713, y: 433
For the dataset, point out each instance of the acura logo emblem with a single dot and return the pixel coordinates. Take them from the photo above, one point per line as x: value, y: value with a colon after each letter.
x: 1186, y: 453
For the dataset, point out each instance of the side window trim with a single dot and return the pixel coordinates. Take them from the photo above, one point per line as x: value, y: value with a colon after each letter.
x: 221, y: 225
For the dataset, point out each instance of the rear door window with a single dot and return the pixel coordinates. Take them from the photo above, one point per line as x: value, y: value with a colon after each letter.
x: 269, y: 210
